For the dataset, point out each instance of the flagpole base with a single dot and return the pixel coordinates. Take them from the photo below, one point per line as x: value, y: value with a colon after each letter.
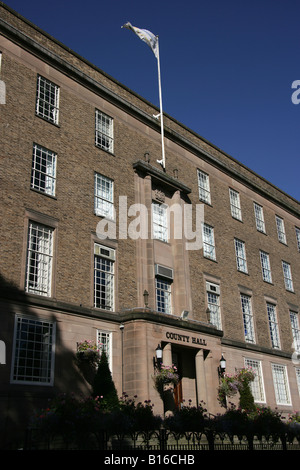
x: 162, y: 163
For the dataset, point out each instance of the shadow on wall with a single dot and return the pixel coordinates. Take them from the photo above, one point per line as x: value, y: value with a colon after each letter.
x: 18, y: 401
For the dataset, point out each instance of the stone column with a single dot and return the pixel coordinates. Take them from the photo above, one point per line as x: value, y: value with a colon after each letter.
x: 168, y: 396
x: 167, y: 354
x: 200, y: 377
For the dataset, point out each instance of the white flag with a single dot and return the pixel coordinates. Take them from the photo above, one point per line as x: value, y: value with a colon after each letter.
x: 146, y: 36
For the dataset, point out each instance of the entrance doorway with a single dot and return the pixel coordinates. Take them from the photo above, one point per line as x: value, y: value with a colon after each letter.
x: 186, y: 389
x: 178, y: 398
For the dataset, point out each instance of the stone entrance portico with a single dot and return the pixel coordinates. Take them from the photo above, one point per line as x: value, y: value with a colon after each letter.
x: 194, y: 348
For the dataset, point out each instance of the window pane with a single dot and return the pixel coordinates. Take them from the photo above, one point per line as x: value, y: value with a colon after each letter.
x: 203, y: 186
x: 259, y: 218
x: 104, y: 344
x: 47, y: 100
x: 298, y: 237
x: 240, y: 255
x: 163, y: 296
x: 34, y: 350
x: 104, y: 196
x: 160, y: 221
x: 43, y: 172
x: 39, y: 259
x: 265, y: 266
x: 247, y: 318
x: 213, y: 303
x: 287, y: 274
x: 104, y: 131
x: 235, y: 205
x: 274, y: 332
x: 257, y: 386
x: 280, y: 229
x: 295, y: 330
x: 208, y: 242
x: 281, y: 386
x: 103, y: 282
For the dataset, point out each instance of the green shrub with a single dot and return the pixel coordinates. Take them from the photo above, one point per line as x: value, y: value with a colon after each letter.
x: 103, y: 385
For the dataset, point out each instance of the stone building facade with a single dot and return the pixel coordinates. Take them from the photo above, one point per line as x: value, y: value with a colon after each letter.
x: 99, y: 242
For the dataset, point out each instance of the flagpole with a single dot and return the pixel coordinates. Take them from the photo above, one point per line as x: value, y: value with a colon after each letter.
x: 162, y: 161
x: 152, y: 41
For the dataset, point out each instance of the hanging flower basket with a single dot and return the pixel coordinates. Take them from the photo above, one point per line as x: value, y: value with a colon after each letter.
x: 167, y: 375
x: 246, y: 375
x: 231, y: 384
x: 87, y: 352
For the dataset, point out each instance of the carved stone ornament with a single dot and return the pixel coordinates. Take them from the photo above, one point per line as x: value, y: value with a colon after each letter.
x: 159, y: 195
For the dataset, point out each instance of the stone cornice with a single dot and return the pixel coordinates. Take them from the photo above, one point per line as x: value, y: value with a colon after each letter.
x: 31, y: 301
x: 255, y: 348
x: 161, y: 177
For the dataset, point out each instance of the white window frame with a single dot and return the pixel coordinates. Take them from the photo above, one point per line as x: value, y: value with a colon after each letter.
x: 39, y: 264
x: 257, y: 386
x: 297, y: 372
x: 294, y: 317
x: 104, y: 342
x: 104, y: 196
x: 104, y: 277
x: 204, y: 186
x: 33, y: 351
x: 265, y: 266
x: 163, y: 289
x: 47, y: 100
x: 273, y: 325
x: 208, y: 239
x: 104, y: 131
x: 287, y: 275
x: 213, y: 303
x: 280, y: 229
x: 43, y: 171
x: 259, y: 218
x: 240, y: 252
x: 235, y: 204
x: 297, y: 230
x: 160, y: 228
x: 248, y: 324
x: 281, y: 384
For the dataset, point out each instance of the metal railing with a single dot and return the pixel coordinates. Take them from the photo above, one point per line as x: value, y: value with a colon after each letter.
x: 156, y: 440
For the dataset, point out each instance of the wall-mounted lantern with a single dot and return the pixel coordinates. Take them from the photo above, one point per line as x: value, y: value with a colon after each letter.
x: 157, y: 360
x: 222, y: 366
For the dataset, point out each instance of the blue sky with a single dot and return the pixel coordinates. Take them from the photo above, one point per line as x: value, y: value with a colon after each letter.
x: 227, y: 67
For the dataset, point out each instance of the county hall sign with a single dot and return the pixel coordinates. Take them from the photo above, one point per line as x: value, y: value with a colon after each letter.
x: 185, y: 338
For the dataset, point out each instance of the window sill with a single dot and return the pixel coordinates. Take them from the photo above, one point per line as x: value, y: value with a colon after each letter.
x: 210, y: 259
x: 47, y: 120
x: 262, y: 232
x: 106, y: 151
x: 43, y: 193
x: 237, y: 219
x: 161, y: 241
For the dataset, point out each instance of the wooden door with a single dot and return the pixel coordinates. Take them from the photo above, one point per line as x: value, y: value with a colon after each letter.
x: 178, y: 398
